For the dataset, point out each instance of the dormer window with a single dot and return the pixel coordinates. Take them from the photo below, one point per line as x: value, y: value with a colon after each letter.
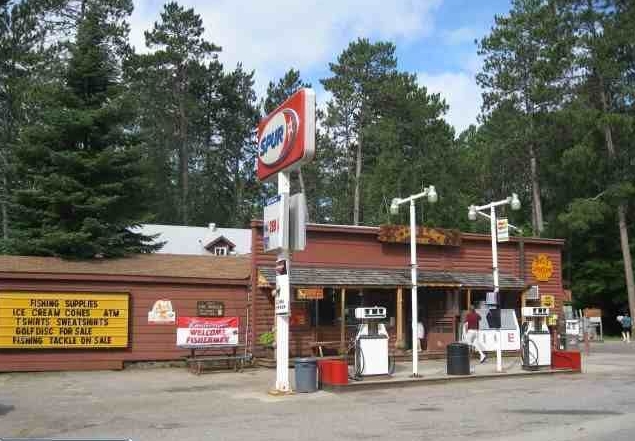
x: 220, y: 251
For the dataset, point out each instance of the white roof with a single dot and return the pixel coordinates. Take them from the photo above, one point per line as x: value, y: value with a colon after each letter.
x: 181, y: 239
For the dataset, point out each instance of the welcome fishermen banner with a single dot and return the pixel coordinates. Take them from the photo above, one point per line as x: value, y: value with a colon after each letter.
x: 206, y: 331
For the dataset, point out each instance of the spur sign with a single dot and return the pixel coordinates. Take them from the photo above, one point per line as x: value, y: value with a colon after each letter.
x: 286, y: 137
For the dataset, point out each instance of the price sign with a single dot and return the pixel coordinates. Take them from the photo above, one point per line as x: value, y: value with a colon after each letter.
x: 502, y: 230
x: 276, y: 223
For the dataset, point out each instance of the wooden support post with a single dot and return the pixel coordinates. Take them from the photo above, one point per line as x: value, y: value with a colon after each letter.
x: 343, y: 321
x: 400, y: 340
x: 469, y: 299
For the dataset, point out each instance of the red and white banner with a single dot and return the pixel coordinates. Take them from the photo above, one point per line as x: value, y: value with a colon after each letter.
x: 206, y: 331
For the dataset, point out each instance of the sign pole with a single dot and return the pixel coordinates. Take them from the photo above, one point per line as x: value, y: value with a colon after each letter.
x: 499, y: 362
x: 282, y: 320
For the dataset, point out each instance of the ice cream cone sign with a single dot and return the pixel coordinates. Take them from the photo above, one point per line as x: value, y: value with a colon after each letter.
x: 162, y: 312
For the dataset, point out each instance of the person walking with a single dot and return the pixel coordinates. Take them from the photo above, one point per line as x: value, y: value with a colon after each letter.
x: 421, y: 335
x: 626, y: 323
x: 472, y: 320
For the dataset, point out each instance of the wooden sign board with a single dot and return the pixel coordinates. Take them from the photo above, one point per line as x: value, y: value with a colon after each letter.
x: 425, y: 235
x: 593, y: 312
x: 63, y: 320
x: 210, y: 308
x: 310, y: 294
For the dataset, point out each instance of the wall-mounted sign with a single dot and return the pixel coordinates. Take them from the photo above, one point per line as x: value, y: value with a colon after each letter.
x: 547, y: 301
x: 210, y: 308
x: 425, y: 235
x: 276, y: 223
x: 299, y: 315
x: 286, y: 137
x: 196, y: 332
x: 309, y: 294
x: 161, y: 313
x: 502, y: 229
x: 63, y: 320
x: 542, y: 268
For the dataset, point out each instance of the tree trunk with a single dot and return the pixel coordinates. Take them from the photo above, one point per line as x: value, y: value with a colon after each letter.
x: 358, y: 177
x: 621, y: 211
x: 538, y: 224
x: 184, y: 156
x: 5, y: 218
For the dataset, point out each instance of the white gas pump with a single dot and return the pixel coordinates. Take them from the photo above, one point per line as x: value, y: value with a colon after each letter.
x: 371, y: 342
x: 536, y: 339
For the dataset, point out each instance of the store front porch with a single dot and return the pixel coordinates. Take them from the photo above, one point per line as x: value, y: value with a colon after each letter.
x: 323, y: 301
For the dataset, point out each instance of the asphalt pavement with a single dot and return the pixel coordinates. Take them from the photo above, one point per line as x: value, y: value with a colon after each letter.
x: 170, y: 403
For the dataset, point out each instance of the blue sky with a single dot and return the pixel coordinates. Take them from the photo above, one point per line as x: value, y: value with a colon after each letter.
x: 434, y: 39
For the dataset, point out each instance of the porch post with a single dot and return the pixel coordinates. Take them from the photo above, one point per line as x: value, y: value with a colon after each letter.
x: 469, y: 299
x: 343, y: 321
x: 400, y: 340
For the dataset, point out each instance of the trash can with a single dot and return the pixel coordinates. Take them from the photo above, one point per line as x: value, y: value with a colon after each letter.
x: 458, y: 359
x: 305, y: 374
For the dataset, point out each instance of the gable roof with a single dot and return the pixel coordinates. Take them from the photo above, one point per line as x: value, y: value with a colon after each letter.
x: 142, y: 265
x: 215, y: 241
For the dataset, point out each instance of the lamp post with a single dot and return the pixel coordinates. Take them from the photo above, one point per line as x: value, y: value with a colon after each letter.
x: 473, y: 210
x: 432, y: 196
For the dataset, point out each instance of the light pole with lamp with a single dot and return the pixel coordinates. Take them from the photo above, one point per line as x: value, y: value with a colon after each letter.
x: 432, y: 196
x: 472, y: 214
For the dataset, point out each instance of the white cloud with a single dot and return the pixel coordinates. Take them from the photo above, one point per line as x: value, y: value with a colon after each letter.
x: 461, y: 35
x: 461, y: 93
x: 273, y: 36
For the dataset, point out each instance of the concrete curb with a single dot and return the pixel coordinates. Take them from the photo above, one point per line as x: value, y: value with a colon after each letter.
x: 409, y: 382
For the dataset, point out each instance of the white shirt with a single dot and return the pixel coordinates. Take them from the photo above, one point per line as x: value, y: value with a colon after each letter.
x: 421, y: 333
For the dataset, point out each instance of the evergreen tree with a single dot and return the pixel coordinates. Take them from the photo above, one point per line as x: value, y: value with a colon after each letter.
x: 81, y: 165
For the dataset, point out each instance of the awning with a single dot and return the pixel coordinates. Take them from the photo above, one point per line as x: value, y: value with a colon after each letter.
x: 386, y: 278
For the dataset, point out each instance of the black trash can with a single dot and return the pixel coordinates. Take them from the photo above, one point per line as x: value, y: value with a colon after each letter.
x: 306, y: 374
x: 458, y: 359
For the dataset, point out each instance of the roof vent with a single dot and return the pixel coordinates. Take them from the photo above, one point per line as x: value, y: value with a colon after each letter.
x: 212, y: 227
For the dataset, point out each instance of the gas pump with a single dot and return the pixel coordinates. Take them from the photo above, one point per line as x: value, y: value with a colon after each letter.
x: 371, y: 342
x: 536, y: 338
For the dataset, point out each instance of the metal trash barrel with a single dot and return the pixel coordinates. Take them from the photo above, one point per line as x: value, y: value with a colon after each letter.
x: 306, y: 374
x: 458, y: 359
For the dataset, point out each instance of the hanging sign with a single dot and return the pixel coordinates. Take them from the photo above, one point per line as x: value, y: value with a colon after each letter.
x: 542, y: 268
x: 309, y: 294
x: 161, y: 313
x: 52, y: 320
x: 286, y: 137
x: 196, y: 332
x: 502, y: 229
x: 276, y: 223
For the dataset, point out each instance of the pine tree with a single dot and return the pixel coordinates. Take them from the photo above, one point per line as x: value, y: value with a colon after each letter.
x: 81, y: 164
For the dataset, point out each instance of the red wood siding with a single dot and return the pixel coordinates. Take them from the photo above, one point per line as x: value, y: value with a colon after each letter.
x: 354, y: 247
x: 146, y: 342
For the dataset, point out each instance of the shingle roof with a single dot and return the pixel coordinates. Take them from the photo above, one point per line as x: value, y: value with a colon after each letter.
x: 148, y: 265
x: 303, y: 276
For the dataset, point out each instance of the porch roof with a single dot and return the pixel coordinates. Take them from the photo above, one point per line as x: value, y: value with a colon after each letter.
x: 370, y: 277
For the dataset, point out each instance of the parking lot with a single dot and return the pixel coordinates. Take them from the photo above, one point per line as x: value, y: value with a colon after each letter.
x: 170, y: 403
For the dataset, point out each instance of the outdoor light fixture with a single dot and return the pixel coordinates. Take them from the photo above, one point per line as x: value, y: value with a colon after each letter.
x: 515, y: 202
x: 431, y: 193
x: 394, y: 206
x: 471, y: 214
x: 433, y: 197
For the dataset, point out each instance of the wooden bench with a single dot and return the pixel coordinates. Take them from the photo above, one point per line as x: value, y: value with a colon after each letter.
x: 319, y: 346
x: 205, y: 356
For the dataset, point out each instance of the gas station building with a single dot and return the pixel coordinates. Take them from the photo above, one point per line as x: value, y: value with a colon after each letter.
x: 344, y: 267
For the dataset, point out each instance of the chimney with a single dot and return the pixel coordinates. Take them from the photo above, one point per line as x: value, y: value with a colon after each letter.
x: 212, y: 227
